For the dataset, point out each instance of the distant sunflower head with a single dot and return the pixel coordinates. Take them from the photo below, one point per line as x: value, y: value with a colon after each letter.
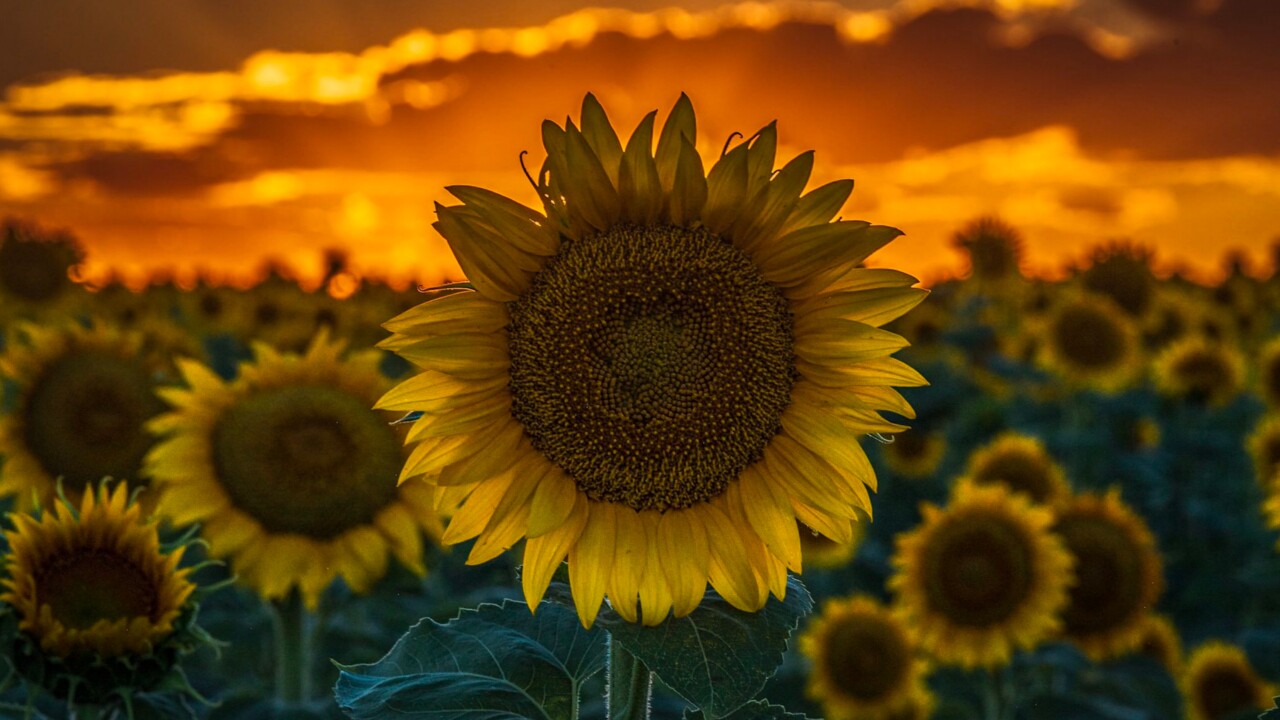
x: 821, y: 551
x: 213, y: 309
x: 865, y: 663
x: 1118, y: 574
x: 102, y: 609
x: 1021, y: 464
x: 915, y: 454
x: 82, y: 397
x: 35, y: 269
x: 994, y: 248
x: 1089, y: 341
x: 289, y: 472
x: 1161, y: 642
x: 1199, y: 371
x: 1122, y: 272
x: 1269, y: 372
x: 982, y: 577
x: 1173, y: 315
x: 1219, y: 683
x: 1264, y: 447
x: 659, y: 373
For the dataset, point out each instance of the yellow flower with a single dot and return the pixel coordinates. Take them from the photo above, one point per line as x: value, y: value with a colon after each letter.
x: 1122, y: 272
x: 982, y: 577
x: 1199, y: 370
x: 661, y: 375
x: 1269, y: 372
x: 1091, y: 342
x: 93, y: 581
x: 1021, y: 464
x: 1264, y: 447
x: 83, y: 397
x: 1118, y: 573
x: 290, y: 474
x: 35, y: 272
x: 865, y: 663
x: 915, y: 454
x: 1219, y: 683
x: 1161, y: 642
x: 994, y: 248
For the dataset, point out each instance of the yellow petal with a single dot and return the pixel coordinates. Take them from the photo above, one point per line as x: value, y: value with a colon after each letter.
x: 474, y: 514
x: 499, y: 271
x: 627, y: 568
x: 590, y: 560
x: 769, y: 511
x: 729, y: 570
x: 726, y: 190
x: 772, y: 204
x: 655, y: 594
x: 681, y: 123
x: 818, y: 206
x: 685, y: 558
x: 543, y: 554
x: 638, y: 185
x: 689, y: 189
x: 870, y: 307
x: 525, y: 228
x: 552, y: 502
x: 463, y: 311
x: 493, y: 454
x: 587, y: 186
x: 465, y: 355
x: 845, y: 342
x: 601, y: 137
x: 510, y: 517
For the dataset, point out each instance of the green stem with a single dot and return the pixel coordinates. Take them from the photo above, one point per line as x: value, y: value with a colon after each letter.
x: 293, y: 649
x: 86, y: 712
x: 629, y: 685
x: 991, y: 706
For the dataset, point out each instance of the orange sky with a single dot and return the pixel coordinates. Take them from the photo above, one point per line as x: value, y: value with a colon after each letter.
x: 1078, y: 121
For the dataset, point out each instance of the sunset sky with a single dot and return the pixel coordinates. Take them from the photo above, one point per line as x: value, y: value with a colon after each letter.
x: 199, y: 136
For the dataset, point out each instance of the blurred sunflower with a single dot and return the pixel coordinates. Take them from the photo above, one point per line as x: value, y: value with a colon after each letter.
x: 1269, y: 372
x: 35, y: 271
x: 1021, y: 464
x: 212, y: 309
x: 1122, y: 272
x: 1118, y: 574
x: 82, y: 398
x: 1091, y: 342
x: 915, y: 454
x: 1264, y: 447
x: 1161, y: 642
x: 821, y: 551
x: 865, y: 663
x: 982, y: 577
x: 1219, y: 683
x: 1173, y: 315
x: 289, y: 472
x: 661, y: 375
x: 1200, y: 371
x: 994, y: 248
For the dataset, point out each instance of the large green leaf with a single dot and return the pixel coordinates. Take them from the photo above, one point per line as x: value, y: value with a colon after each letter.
x: 754, y: 710
x: 496, y: 662
x: 718, y: 657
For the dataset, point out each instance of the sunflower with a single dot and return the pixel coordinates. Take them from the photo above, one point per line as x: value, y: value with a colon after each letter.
x: 1160, y: 642
x: 1173, y: 315
x: 915, y: 454
x: 662, y: 374
x: 81, y: 399
x: 93, y: 581
x: 289, y: 472
x: 1269, y: 372
x: 1091, y: 342
x: 1200, y: 371
x: 1219, y: 683
x: 865, y: 663
x: 994, y: 248
x: 821, y: 551
x: 1021, y: 464
x: 1118, y: 573
x: 1264, y: 447
x: 35, y: 271
x: 1122, y: 272
x: 982, y: 577
x: 212, y: 309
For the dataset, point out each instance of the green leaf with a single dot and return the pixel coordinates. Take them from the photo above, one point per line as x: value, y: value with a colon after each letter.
x: 754, y: 710
x: 492, y: 663
x: 717, y: 657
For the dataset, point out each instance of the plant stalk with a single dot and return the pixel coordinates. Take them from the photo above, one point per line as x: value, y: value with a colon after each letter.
x: 630, y: 685
x: 293, y: 626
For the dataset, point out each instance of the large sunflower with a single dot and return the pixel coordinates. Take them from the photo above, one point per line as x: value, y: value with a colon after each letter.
x: 1118, y: 573
x: 865, y: 663
x: 93, y: 581
x: 982, y: 577
x: 662, y: 374
x: 1200, y: 371
x: 1020, y: 463
x: 82, y: 398
x: 289, y: 472
x: 1219, y: 683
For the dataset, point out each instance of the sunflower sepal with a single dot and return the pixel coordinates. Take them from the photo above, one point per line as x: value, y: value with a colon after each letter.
x: 684, y: 651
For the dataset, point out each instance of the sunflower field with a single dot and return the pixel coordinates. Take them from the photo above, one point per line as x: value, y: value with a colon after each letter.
x: 676, y: 446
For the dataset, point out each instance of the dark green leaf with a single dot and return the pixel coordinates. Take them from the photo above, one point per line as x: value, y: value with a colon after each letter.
x: 491, y: 663
x: 754, y: 710
x: 718, y: 657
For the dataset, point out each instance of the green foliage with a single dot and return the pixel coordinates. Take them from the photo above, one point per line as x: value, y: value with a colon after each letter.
x: 491, y: 663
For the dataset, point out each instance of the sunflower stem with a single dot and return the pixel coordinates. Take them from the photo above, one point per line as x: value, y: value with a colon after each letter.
x: 991, y: 701
x: 630, y: 685
x: 293, y: 649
